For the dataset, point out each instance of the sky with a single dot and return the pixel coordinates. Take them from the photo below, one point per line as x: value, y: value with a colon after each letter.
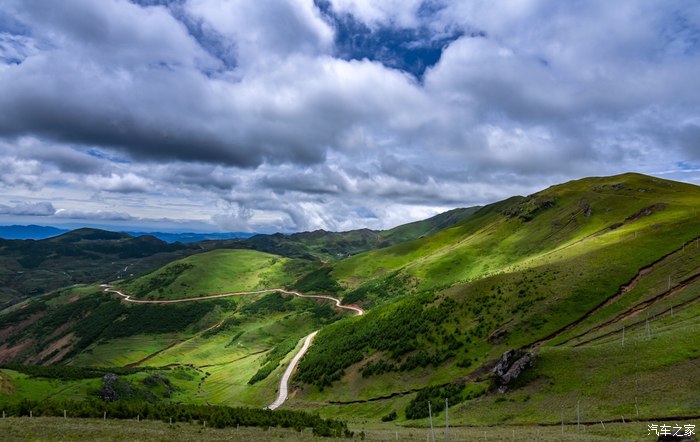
x: 296, y: 115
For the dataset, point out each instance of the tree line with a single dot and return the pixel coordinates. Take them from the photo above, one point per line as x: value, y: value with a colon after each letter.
x: 215, y: 416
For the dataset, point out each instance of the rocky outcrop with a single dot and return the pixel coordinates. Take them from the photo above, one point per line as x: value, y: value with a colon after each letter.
x: 510, y: 367
x: 109, y: 393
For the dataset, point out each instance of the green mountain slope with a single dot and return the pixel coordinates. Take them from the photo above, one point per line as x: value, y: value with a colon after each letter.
x: 593, y: 285
x: 334, y: 246
x: 520, y: 274
x: 415, y: 230
x: 30, y: 268
x: 516, y: 231
x: 218, y: 271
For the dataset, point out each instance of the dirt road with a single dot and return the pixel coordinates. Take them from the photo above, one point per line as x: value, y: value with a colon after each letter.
x: 284, y: 383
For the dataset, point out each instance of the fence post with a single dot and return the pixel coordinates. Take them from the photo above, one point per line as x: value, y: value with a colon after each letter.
x: 578, y: 415
x: 447, y: 421
x: 430, y: 414
x: 64, y: 414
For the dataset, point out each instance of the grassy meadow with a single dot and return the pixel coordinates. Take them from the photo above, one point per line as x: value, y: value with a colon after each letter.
x: 598, y: 278
x: 217, y: 271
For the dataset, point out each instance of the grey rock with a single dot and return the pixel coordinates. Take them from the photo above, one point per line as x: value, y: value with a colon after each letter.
x: 510, y: 367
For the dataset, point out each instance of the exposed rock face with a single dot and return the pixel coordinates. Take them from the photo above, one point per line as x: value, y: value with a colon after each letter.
x: 510, y: 367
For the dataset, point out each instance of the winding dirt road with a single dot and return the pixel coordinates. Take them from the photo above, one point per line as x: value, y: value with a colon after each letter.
x: 284, y: 383
x: 283, y: 391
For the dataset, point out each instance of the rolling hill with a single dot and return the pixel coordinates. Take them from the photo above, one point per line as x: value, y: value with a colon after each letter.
x: 218, y: 271
x: 522, y: 274
x: 30, y: 268
x: 83, y: 256
x: 579, y: 301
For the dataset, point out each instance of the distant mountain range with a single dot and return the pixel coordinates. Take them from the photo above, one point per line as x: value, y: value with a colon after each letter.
x: 43, y: 232
x: 29, y: 232
x: 189, y: 237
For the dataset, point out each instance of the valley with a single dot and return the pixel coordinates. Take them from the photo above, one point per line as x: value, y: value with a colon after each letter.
x: 593, y: 286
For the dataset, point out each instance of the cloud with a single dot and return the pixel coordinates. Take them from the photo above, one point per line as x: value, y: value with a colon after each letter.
x: 28, y: 209
x: 93, y: 216
x: 266, y: 28
x: 335, y: 114
x: 376, y: 12
x: 127, y: 183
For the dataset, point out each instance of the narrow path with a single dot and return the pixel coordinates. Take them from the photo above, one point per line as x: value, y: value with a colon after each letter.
x: 284, y: 383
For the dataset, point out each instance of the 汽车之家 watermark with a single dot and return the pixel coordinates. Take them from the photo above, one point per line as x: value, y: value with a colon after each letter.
x: 671, y: 430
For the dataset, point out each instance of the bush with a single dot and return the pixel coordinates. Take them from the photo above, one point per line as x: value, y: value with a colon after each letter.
x: 389, y: 417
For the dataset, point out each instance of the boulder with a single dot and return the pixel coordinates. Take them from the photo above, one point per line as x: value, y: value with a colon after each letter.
x: 510, y: 367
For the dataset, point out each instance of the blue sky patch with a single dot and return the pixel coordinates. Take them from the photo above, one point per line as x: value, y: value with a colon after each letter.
x: 412, y: 50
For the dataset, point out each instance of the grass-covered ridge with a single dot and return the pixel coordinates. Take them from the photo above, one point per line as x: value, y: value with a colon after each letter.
x: 218, y: 271
x: 562, y: 273
x: 525, y: 271
x: 500, y: 236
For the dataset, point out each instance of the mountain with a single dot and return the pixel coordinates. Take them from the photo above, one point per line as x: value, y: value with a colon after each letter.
x: 334, y: 246
x: 189, y: 237
x: 29, y: 232
x: 415, y: 230
x: 43, y: 232
x: 30, y: 268
x: 33, y: 267
x: 576, y: 302
x: 555, y: 274
x: 218, y: 271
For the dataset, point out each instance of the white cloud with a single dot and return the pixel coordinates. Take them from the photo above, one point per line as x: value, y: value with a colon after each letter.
x: 127, y: 183
x: 401, y: 13
x: 264, y: 29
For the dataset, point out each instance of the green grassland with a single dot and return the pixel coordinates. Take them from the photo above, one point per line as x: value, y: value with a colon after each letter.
x: 73, y: 429
x: 562, y: 273
x: 511, y: 233
x: 513, y: 275
x: 218, y: 271
x: 219, y: 345
x: 30, y: 268
x: 53, y: 428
